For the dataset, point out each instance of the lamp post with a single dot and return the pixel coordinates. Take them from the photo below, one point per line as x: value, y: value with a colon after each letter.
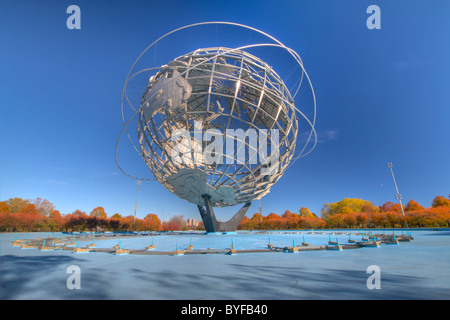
x: 398, y: 196
x: 135, y: 206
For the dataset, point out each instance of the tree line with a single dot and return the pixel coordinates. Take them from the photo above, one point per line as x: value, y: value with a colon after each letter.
x: 351, y: 213
x: 25, y: 215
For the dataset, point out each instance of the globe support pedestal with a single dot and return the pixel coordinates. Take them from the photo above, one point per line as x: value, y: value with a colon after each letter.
x: 210, y: 222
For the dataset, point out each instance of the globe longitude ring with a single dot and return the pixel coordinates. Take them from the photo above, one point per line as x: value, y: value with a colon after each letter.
x: 206, y: 123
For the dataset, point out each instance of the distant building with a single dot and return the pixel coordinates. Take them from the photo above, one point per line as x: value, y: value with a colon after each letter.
x: 192, y: 222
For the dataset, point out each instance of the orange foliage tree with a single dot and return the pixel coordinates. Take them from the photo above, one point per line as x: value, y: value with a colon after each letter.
x: 98, y: 212
x: 151, y: 222
x: 413, y: 206
x: 440, y: 201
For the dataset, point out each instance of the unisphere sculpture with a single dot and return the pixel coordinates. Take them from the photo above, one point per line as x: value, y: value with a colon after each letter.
x: 207, y: 121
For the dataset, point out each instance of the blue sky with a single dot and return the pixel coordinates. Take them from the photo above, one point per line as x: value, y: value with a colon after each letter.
x: 382, y: 96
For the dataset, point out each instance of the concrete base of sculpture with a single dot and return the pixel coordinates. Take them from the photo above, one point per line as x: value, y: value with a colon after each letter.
x: 45, y: 248
x: 291, y: 249
x: 26, y: 246
x: 120, y: 252
x: 392, y: 242
x: 210, y: 222
x: 178, y: 252
x: 375, y: 244
x: 150, y: 247
x: 336, y: 247
x: 80, y: 250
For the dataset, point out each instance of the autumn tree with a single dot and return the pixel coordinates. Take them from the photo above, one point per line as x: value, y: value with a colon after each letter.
x: 413, y: 206
x: 55, y: 214
x: 257, y: 217
x: 273, y: 216
x: 55, y: 220
x: 440, y: 201
x: 75, y: 221
x: 243, y: 225
x: 114, y: 223
x: 29, y: 209
x: 288, y: 214
x: 151, y: 222
x: 353, y: 204
x: 79, y: 213
x: 346, y: 210
x: 4, y: 208
x: 313, y: 223
x: 43, y: 206
x: 17, y: 204
x: 271, y: 222
x: 180, y: 220
x: 98, y: 212
x: 126, y: 223
x: 92, y: 222
x: 335, y: 220
x: 171, y: 226
x: 8, y: 222
x: 255, y: 221
x: 305, y: 213
x: 389, y: 206
x: 369, y: 208
x: 361, y: 219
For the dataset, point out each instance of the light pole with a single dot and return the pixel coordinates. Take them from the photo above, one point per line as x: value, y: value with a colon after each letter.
x: 398, y: 196
x: 135, y: 206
